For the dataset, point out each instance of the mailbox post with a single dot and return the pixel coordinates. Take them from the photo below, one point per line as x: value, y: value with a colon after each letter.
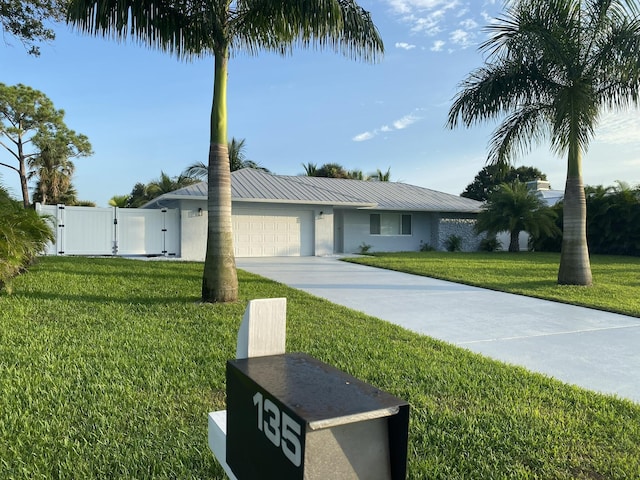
x: 290, y: 416
x: 293, y: 417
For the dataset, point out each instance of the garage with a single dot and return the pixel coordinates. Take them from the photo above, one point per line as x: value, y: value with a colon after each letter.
x: 263, y: 232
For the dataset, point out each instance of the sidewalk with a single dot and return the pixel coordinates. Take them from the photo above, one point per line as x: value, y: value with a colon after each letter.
x: 590, y: 348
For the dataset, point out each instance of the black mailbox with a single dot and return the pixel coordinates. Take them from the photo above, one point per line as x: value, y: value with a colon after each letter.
x: 293, y: 417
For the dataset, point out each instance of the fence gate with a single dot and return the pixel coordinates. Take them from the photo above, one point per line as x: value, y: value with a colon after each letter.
x: 113, y: 231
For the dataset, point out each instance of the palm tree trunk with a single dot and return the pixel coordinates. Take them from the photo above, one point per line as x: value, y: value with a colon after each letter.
x: 575, y: 267
x: 219, y: 281
x: 514, y: 241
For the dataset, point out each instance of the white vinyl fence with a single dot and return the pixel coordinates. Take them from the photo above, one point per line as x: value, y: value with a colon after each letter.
x: 113, y: 231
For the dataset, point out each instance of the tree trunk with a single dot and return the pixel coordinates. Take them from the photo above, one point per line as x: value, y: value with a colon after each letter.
x: 514, y: 241
x: 22, y: 171
x: 575, y: 267
x: 219, y: 281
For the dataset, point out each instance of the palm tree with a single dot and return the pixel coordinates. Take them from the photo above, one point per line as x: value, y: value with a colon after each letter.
x: 120, y: 201
x: 310, y: 169
x: 166, y: 184
x: 237, y: 161
x: 218, y: 27
x: 53, y: 170
x: 552, y: 66
x: 513, y: 208
x: 381, y: 176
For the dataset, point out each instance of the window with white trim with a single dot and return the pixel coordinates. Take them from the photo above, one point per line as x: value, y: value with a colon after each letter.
x: 388, y: 224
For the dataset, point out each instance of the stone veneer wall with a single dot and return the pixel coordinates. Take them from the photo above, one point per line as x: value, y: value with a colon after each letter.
x: 462, y: 227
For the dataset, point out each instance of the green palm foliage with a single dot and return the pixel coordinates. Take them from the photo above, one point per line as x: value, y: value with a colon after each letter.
x: 513, y: 208
x: 53, y: 171
x: 23, y: 235
x: 237, y: 161
x: 166, y: 184
x: 218, y: 28
x: 552, y: 67
x: 120, y: 201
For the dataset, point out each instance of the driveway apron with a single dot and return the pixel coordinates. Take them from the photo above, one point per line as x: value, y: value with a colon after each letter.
x: 585, y: 347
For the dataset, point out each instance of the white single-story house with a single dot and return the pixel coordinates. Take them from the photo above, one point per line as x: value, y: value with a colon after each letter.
x: 276, y: 215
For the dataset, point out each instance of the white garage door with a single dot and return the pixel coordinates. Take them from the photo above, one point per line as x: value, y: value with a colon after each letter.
x: 272, y: 233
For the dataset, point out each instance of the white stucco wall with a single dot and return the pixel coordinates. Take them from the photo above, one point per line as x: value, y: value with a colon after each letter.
x: 194, y: 230
x: 356, y: 231
x: 323, y: 227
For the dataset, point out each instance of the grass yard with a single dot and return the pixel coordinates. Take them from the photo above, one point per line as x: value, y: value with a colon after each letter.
x: 616, y: 279
x: 108, y: 368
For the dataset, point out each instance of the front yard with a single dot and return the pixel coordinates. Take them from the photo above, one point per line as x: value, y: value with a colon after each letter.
x: 108, y: 368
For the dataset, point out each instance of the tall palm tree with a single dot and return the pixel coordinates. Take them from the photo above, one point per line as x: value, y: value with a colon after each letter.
x: 190, y: 28
x: 53, y: 171
x: 552, y: 67
x: 514, y: 208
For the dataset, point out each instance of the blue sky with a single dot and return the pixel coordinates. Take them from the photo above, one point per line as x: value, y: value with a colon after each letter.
x: 144, y: 111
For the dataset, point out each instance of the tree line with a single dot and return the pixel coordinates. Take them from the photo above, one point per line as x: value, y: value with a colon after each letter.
x: 613, y: 221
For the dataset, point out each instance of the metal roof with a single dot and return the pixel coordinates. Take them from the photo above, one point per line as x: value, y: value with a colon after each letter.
x: 251, y: 185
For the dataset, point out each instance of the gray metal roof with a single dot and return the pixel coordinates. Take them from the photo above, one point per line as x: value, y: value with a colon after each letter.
x: 251, y: 185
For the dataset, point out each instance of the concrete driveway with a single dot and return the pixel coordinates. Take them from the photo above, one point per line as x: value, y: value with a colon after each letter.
x: 593, y: 349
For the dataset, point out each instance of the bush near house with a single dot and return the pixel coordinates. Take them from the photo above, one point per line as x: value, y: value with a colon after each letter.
x: 23, y: 235
x: 613, y: 222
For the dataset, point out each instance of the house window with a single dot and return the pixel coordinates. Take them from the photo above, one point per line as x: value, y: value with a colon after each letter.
x: 389, y: 224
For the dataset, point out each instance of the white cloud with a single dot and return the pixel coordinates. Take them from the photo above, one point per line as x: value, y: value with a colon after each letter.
x: 619, y: 128
x: 364, y: 136
x: 399, y: 124
x: 437, y: 46
x: 462, y: 38
x: 405, y: 121
x: 404, y: 45
x: 459, y: 20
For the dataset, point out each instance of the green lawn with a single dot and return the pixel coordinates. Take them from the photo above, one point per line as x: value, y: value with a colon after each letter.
x: 108, y: 368
x: 616, y: 279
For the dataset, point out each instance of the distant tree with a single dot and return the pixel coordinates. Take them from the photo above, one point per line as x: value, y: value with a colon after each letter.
x: 381, y: 176
x: 138, y: 196
x: 237, y: 161
x: 28, y: 123
x: 166, y: 184
x: 310, y: 169
x: 490, y: 177
x: 53, y: 171
x: 356, y: 175
x: 331, y: 170
x: 144, y: 193
x: 120, y: 201
x: 27, y: 20
x: 513, y: 208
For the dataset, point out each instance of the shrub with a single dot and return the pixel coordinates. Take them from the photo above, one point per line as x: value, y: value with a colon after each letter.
x: 453, y: 243
x: 426, y: 247
x: 23, y: 235
x: 364, y: 248
x: 491, y: 244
